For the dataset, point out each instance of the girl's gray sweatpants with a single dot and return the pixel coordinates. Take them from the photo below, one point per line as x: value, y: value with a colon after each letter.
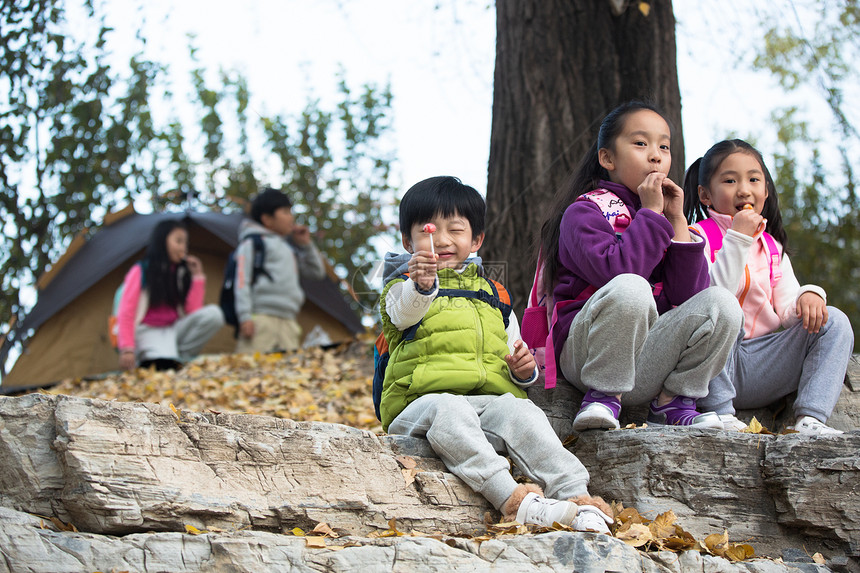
x: 470, y: 432
x: 182, y: 340
x: 762, y: 370
x: 618, y: 344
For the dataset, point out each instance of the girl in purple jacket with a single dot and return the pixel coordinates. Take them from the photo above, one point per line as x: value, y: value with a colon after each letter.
x: 633, y: 319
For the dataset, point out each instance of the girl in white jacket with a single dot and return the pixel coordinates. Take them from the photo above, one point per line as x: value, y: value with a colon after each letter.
x: 746, y: 252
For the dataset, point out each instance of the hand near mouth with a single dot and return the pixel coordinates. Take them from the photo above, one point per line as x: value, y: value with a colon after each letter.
x: 746, y: 221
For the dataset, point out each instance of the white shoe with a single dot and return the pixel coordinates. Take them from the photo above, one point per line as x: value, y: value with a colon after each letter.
x: 810, y: 426
x: 732, y: 424
x: 544, y: 511
x: 595, y: 416
x: 590, y: 518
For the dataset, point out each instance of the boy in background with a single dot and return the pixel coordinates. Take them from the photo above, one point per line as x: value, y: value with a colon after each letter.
x: 267, y: 307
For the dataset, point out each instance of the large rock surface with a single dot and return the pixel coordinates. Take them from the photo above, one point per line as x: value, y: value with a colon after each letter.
x: 131, y: 477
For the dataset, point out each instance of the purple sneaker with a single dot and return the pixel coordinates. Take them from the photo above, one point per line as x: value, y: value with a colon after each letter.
x: 681, y: 411
x: 598, y: 411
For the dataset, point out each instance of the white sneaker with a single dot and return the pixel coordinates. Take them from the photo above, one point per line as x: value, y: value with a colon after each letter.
x: 595, y: 416
x: 590, y: 518
x: 810, y: 426
x: 544, y: 511
x: 731, y: 423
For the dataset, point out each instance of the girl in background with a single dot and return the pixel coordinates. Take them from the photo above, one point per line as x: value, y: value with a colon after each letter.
x: 634, y: 321
x: 746, y: 255
x: 161, y: 318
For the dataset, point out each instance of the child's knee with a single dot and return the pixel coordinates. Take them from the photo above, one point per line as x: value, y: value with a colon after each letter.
x: 724, y: 307
x: 211, y: 315
x: 629, y: 292
x: 838, y: 321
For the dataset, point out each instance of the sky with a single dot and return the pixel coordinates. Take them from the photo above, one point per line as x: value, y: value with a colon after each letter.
x: 439, y: 58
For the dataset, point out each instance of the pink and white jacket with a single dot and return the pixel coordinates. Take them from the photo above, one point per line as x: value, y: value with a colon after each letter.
x: 742, y: 266
x: 134, y: 307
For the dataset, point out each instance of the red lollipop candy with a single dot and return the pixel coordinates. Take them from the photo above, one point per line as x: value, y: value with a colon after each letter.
x: 430, y: 228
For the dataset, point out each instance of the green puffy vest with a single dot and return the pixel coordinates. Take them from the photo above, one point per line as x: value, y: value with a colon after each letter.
x: 459, y: 348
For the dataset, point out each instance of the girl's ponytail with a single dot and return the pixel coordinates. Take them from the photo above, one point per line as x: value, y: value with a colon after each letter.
x: 693, y: 208
x: 585, y: 178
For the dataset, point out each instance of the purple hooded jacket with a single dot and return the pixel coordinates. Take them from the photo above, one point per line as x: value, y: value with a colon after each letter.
x: 591, y: 254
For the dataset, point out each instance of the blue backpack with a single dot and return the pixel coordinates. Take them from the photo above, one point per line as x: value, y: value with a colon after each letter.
x: 227, y: 300
x: 500, y: 299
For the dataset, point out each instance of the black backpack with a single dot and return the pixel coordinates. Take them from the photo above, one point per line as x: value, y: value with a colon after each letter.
x: 228, y: 287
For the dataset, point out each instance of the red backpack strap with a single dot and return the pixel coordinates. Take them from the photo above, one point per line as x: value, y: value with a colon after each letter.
x: 612, y: 207
x: 773, y: 258
x: 714, y: 235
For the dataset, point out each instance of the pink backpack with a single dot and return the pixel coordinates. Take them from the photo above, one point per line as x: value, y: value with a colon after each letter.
x: 541, y: 314
x: 715, y: 243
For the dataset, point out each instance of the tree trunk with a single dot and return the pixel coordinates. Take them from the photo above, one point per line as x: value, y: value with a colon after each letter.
x: 561, y: 65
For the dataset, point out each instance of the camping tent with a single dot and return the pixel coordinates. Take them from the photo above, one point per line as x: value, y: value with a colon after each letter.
x: 65, y: 335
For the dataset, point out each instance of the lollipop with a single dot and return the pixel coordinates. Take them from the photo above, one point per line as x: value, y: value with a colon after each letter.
x: 431, y: 228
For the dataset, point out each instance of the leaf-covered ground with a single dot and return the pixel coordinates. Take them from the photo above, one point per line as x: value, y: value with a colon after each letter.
x: 331, y: 385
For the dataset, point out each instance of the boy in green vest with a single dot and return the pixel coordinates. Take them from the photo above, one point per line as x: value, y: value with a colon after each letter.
x: 458, y: 369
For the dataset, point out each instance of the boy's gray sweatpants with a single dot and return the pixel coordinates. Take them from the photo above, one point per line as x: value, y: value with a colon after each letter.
x: 762, y: 370
x: 618, y: 344
x: 469, y: 432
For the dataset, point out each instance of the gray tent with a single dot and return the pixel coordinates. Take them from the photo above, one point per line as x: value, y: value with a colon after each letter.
x: 65, y: 335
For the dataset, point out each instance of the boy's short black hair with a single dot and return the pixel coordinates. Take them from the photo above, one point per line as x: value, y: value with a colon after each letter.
x: 446, y: 196
x: 267, y: 202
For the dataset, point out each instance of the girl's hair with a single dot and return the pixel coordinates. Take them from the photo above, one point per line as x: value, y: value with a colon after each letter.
x: 166, y: 284
x: 701, y: 171
x: 585, y: 178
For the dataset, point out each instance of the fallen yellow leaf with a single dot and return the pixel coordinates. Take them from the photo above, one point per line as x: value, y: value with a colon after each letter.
x: 324, y: 529
x: 192, y: 530
x: 716, y: 542
x: 407, y: 462
x: 819, y: 558
x: 634, y: 534
x: 645, y: 8
x: 754, y: 427
x: 409, y: 475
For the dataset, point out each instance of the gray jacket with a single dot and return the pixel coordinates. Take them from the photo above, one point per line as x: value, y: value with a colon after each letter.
x: 281, y: 295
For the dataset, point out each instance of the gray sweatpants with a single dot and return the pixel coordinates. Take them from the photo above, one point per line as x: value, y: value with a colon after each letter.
x: 762, y: 370
x: 469, y: 432
x: 180, y: 341
x: 618, y: 344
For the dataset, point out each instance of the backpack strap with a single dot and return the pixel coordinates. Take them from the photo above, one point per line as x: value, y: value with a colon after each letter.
x: 612, y: 207
x: 536, y: 285
x: 496, y: 300
x: 259, y: 267
x: 500, y: 299
x: 715, y: 243
x: 773, y: 258
x: 714, y: 235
